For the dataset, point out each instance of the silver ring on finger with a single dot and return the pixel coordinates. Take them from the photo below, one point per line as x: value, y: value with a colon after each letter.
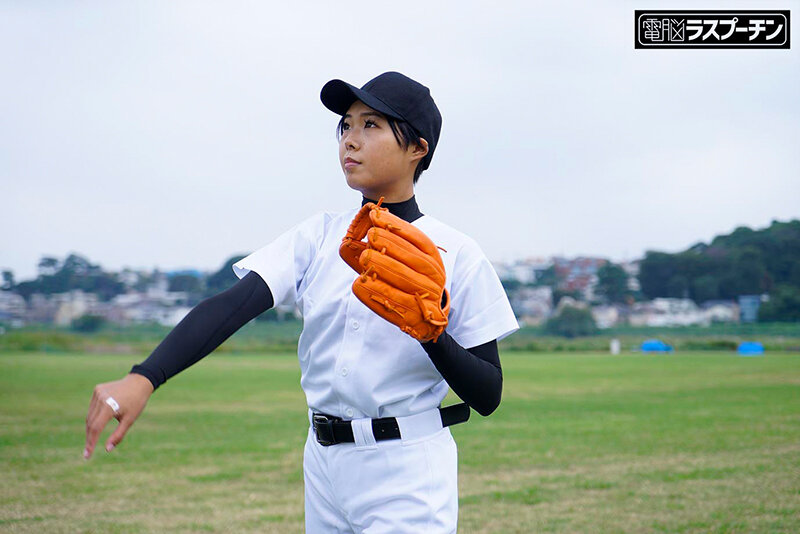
x: 114, y: 404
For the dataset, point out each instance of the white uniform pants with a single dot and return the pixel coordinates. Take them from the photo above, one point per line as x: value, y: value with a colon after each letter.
x: 397, y: 486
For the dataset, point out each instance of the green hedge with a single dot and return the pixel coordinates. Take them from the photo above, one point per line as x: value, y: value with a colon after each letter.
x: 269, y: 336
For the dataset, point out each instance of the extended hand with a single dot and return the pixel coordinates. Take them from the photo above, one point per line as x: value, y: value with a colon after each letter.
x: 131, y: 394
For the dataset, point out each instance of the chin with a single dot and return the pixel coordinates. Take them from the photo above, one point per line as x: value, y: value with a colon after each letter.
x: 354, y: 183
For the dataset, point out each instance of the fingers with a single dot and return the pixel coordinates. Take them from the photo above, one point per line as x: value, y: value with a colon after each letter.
x: 90, y: 418
x: 406, y: 278
x: 392, y: 304
x: 349, y: 251
x: 352, y: 246
x: 116, y: 437
x: 95, y: 406
x: 401, y: 309
x: 407, y: 231
x: 100, y: 413
x: 95, y: 424
x: 386, y: 242
x: 373, y: 293
x: 360, y: 223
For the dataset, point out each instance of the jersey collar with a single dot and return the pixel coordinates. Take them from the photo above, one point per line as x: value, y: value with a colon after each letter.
x: 406, y: 210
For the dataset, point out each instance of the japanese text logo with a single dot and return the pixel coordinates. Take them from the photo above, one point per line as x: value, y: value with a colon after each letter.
x: 711, y: 29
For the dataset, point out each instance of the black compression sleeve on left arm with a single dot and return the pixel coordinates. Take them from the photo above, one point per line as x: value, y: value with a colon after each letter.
x: 474, y: 375
x: 205, y: 328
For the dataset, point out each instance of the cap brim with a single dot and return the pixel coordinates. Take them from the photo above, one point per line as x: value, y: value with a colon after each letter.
x: 338, y: 96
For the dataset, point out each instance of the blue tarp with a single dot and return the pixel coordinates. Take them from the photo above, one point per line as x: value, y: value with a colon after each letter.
x: 750, y: 348
x: 655, y: 345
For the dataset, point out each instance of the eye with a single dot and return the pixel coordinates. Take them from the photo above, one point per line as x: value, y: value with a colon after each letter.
x: 345, y: 126
x: 370, y: 123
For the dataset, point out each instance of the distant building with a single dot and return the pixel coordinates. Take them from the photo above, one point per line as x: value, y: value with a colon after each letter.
x: 155, y: 306
x: 128, y: 277
x: 532, y: 305
x: 160, y: 286
x: 631, y: 268
x: 667, y: 312
x: 41, y: 309
x: 12, y: 307
x: 571, y: 302
x: 71, y: 305
x: 748, y: 308
x: 578, y: 274
x: 524, y: 271
x: 721, y: 311
x: 606, y: 316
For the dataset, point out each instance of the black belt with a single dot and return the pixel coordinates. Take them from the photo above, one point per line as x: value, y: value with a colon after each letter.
x: 331, y: 430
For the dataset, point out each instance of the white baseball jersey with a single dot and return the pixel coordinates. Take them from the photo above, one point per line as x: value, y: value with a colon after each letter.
x: 354, y: 363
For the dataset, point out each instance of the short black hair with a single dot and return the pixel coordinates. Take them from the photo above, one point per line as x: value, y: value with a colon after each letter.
x: 404, y: 133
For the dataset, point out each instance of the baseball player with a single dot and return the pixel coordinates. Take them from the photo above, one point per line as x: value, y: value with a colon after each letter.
x: 397, y: 307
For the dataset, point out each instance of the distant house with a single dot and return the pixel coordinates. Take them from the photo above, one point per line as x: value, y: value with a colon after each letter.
x: 578, y: 274
x: 41, y: 309
x: 631, y: 268
x: 155, y: 306
x: 524, y: 271
x: 532, y: 304
x: 748, y: 306
x: 667, y: 312
x: 606, y: 316
x: 72, y: 305
x: 564, y: 302
x: 12, y: 307
x: 721, y: 311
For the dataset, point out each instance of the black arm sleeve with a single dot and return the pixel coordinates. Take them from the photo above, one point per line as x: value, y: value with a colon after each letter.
x: 205, y: 328
x: 474, y: 375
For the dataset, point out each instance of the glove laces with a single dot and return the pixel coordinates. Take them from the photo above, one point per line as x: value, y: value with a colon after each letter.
x: 427, y: 314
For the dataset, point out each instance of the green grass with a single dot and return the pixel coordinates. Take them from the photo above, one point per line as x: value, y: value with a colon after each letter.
x: 256, y: 336
x: 693, y: 442
x: 783, y: 337
x: 281, y: 337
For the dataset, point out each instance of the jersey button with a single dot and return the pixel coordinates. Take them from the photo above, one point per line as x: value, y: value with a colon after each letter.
x: 344, y: 371
x: 355, y: 325
x: 349, y: 412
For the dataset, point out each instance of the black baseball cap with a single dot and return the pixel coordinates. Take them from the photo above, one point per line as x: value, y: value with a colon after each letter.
x: 395, y: 95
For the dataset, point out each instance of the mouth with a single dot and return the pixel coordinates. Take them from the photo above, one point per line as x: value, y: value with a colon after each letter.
x: 350, y: 163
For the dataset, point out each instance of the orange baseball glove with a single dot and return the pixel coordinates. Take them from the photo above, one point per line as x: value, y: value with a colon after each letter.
x: 401, y: 272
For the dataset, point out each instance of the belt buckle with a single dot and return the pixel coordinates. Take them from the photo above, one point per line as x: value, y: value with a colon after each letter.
x: 324, y: 422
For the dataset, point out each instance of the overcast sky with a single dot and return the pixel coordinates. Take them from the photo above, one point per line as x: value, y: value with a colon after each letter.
x: 176, y: 134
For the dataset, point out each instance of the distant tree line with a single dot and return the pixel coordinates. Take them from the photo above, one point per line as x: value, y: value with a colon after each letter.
x: 745, y: 262
x: 571, y: 322
x: 77, y: 272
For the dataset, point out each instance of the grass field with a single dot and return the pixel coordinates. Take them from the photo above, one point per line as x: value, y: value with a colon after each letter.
x: 693, y: 442
x: 279, y: 337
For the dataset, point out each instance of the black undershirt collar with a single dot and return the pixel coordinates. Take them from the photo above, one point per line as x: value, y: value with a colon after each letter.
x: 406, y: 210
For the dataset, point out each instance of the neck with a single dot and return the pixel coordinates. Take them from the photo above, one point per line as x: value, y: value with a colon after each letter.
x: 406, y: 210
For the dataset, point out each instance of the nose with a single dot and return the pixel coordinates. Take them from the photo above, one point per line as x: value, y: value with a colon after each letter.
x: 351, y: 140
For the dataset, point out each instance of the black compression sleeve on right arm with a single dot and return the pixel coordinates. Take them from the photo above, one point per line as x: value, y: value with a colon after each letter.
x: 473, y: 374
x: 205, y: 328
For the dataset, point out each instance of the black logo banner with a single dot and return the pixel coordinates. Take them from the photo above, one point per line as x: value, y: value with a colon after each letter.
x: 711, y: 29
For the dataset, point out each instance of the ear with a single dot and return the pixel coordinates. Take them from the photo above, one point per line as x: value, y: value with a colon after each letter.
x: 420, y: 150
